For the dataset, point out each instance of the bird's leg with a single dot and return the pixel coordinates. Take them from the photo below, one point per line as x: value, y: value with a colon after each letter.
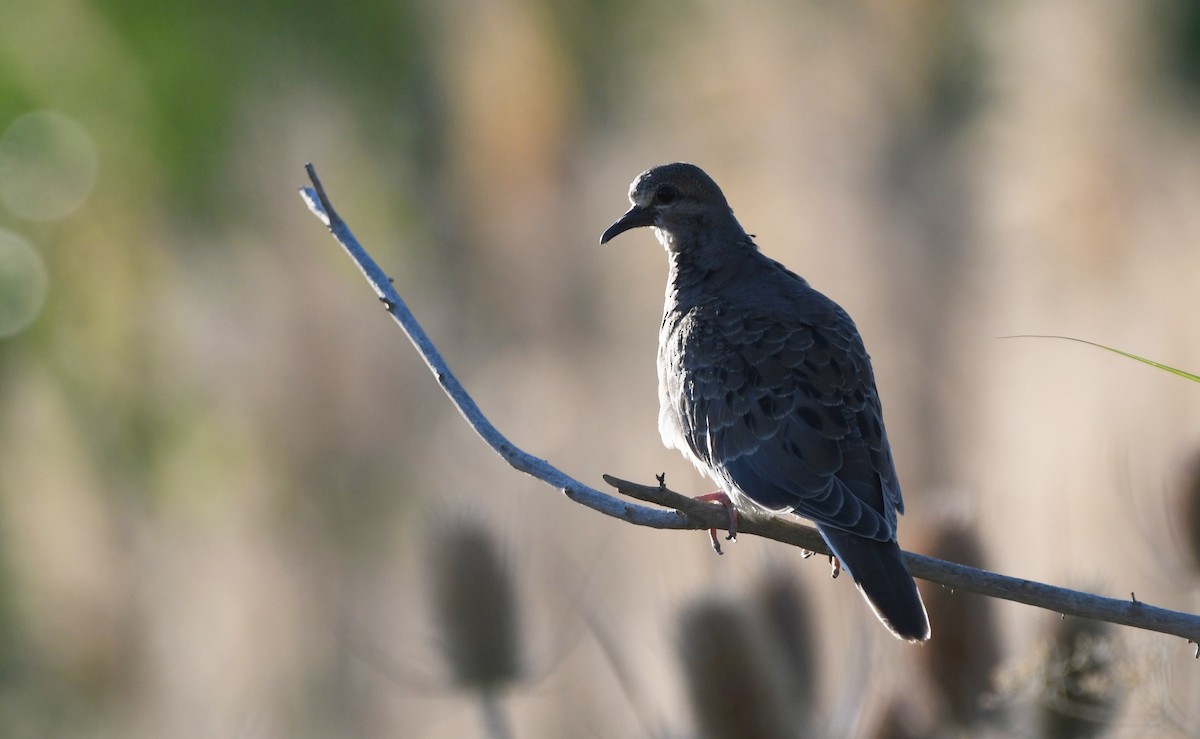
x: 721, y: 498
x: 834, y: 564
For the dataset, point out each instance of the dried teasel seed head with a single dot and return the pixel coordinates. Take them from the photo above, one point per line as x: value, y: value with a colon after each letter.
x: 474, y: 607
x: 1080, y: 689
x: 1189, y: 510
x: 960, y: 662
x: 734, y: 678
x: 789, y: 625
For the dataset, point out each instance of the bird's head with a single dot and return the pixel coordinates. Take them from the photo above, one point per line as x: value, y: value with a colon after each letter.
x: 675, y: 199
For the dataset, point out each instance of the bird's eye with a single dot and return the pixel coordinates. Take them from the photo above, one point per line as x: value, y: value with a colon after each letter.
x: 665, y: 195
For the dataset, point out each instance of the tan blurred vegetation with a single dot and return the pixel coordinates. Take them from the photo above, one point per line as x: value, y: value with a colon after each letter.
x: 221, y: 464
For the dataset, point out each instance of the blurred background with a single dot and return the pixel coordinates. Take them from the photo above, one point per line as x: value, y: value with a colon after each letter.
x: 231, y: 494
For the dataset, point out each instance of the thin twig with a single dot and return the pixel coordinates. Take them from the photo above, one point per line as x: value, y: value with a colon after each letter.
x: 682, y: 512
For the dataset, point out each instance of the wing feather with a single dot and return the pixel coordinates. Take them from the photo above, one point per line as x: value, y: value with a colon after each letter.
x: 785, y: 411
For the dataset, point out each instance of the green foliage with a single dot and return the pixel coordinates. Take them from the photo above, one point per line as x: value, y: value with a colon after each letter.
x: 201, y: 61
x: 1151, y: 362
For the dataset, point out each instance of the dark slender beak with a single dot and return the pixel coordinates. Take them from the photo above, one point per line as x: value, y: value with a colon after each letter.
x: 635, y: 218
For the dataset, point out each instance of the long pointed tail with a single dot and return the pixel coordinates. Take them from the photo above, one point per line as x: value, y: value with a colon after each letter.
x: 879, y: 572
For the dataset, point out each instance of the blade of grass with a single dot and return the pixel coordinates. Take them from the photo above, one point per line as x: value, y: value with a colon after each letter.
x: 1151, y: 362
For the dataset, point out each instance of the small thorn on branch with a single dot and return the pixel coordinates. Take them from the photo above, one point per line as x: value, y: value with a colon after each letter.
x: 662, y: 481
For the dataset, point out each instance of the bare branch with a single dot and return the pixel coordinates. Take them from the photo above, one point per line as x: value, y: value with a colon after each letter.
x: 319, y: 204
x: 681, y: 512
x: 948, y: 574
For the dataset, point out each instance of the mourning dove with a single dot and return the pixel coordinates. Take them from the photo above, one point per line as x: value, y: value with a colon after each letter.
x: 764, y: 384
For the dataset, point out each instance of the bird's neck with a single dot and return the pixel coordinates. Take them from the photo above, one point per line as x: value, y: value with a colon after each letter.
x: 705, y: 260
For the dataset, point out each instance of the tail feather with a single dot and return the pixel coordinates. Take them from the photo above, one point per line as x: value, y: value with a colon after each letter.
x: 878, y: 570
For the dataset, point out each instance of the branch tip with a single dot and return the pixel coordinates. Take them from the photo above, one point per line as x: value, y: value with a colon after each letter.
x: 330, y: 213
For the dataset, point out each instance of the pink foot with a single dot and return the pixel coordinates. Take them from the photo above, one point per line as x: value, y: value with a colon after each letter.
x: 722, y: 499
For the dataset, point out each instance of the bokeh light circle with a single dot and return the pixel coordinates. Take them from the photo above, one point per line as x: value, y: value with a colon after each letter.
x: 48, y: 166
x: 23, y: 283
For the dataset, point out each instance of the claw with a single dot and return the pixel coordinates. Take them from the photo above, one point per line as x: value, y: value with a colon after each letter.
x: 723, y: 500
x: 716, y: 543
x: 834, y: 564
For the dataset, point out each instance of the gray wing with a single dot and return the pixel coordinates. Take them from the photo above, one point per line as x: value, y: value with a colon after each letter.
x: 786, y: 411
